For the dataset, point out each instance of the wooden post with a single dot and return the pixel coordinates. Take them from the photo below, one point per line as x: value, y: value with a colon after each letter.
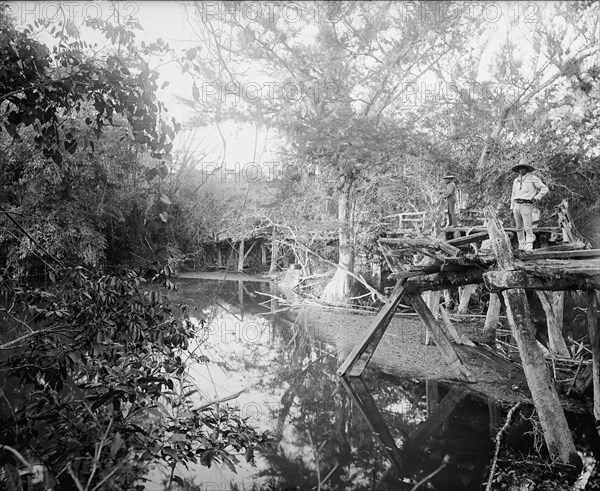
x: 465, y: 298
x: 491, y: 319
x: 263, y: 253
x: 241, y: 298
x: 564, y: 220
x: 376, y: 272
x: 431, y: 395
x: 432, y: 300
x: 552, y: 417
x: 440, y: 336
x: 361, y: 354
x: 274, y: 256
x: 219, y: 256
x: 558, y: 306
x: 556, y: 341
x: 241, y: 256
x: 495, y: 414
x: 592, y: 318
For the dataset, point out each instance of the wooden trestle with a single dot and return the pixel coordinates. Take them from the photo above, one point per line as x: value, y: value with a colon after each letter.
x: 447, y: 264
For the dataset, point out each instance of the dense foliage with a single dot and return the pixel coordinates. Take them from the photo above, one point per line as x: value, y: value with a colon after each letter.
x: 96, y: 386
x: 383, y: 102
x: 84, y: 147
x: 93, y: 366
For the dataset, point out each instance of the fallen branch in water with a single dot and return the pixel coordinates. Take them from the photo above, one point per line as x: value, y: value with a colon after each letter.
x: 499, y: 437
x: 16, y: 453
x: 429, y: 476
x: 248, y: 387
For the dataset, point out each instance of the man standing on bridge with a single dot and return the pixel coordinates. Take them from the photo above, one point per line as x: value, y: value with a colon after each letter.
x: 450, y: 197
x: 527, y: 191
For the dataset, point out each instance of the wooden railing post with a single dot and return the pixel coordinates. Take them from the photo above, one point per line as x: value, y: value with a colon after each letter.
x: 547, y: 404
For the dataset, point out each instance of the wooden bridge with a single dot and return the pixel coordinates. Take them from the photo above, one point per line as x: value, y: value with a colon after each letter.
x: 425, y: 266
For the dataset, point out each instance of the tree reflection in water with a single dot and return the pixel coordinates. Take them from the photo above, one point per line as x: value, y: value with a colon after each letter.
x: 368, y: 433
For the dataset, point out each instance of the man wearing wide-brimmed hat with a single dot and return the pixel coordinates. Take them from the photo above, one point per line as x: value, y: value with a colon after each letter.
x: 528, y: 190
x: 450, y: 197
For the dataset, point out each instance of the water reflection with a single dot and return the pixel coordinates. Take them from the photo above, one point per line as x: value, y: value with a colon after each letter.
x: 377, y: 432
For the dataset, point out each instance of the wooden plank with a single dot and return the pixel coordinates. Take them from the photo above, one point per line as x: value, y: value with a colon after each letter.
x: 421, y: 243
x: 445, y: 280
x: 361, y: 354
x: 491, y: 319
x: 482, y: 228
x: 576, y: 254
x: 568, y: 246
x: 497, y: 281
x: 400, y: 275
x: 468, y: 239
x: 574, y: 270
x: 552, y: 417
x: 364, y: 401
x: 440, y: 336
x: 592, y: 319
x: 556, y: 341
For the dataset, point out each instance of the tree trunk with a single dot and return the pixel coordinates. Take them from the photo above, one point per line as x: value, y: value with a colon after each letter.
x: 338, y: 289
x: 492, y: 139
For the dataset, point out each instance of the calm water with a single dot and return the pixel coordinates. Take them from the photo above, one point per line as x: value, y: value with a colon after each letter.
x: 372, y: 433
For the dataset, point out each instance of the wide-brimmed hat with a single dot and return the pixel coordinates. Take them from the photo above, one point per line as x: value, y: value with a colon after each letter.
x: 522, y: 163
x: 449, y: 177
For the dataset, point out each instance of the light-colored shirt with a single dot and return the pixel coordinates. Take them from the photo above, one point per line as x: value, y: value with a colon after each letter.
x: 450, y: 192
x: 528, y: 187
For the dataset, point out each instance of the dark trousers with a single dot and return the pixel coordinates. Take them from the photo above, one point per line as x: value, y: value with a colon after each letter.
x: 451, y: 213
